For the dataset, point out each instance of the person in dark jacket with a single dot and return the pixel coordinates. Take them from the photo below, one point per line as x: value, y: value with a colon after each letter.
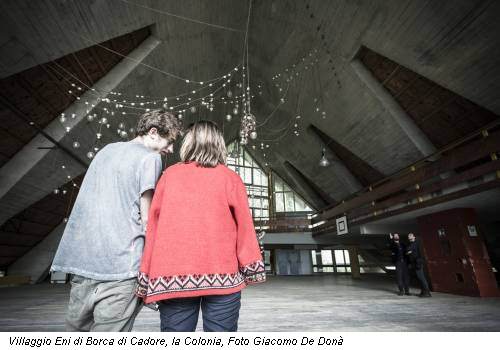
x: 416, y: 263
x: 398, y: 250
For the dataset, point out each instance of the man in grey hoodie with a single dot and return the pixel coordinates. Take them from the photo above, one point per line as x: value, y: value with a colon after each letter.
x: 104, y: 238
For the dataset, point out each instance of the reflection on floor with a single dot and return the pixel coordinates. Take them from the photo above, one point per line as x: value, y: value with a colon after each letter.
x: 308, y: 303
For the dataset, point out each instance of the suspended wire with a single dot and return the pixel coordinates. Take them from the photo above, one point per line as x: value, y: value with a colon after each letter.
x: 186, y: 104
x: 206, y: 83
x: 266, y: 120
x: 139, y: 62
x: 171, y: 75
x: 163, y: 12
x: 275, y: 109
x: 292, y: 120
x: 245, y: 53
x: 297, y: 111
x: 96, y: 92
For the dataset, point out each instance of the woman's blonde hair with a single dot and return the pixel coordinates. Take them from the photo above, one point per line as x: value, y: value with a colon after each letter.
x: 204, y: 144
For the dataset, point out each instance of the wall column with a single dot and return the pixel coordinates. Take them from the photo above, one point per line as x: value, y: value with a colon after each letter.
x: 353, y: 258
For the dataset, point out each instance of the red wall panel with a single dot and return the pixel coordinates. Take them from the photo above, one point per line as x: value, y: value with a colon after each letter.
x: 457, y: 261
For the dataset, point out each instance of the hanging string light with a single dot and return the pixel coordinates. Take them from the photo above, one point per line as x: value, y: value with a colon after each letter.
x: 248, y: 121
x: 120, y: 105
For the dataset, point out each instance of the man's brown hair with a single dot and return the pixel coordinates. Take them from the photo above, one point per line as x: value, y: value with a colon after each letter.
x: 166, y: 123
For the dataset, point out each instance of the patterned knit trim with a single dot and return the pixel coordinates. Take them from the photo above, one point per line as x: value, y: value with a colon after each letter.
x: 254, y: 272
x: 251, y: 273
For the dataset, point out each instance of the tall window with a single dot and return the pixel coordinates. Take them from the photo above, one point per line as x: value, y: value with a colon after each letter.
x: 287, y: 201
x: 322, y: 261
x: 253, y: 176
x: 342, y: 260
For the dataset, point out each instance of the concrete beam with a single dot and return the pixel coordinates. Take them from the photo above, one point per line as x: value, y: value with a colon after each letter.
x: 311, y: 187
x: 36, y: 262
x: 406, y: 123
x: 285, y: 175
x: 31, y: 154
x: 303, y: 188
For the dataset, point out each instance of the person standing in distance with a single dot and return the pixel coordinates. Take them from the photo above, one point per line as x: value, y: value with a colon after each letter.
x: 398, y: 255
x: 416, y: 263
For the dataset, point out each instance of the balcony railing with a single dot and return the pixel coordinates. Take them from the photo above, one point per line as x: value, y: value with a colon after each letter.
x: 460, y: 169
x: 285, y: 224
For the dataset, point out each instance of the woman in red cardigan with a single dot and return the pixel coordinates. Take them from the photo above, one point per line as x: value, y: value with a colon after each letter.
x: 201, y: 249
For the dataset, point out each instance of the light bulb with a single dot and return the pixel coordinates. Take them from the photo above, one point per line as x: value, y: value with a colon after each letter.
x: 324, y: 162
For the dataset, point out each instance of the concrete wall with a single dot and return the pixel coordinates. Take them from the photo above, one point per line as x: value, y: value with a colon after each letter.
x: 37, y: 261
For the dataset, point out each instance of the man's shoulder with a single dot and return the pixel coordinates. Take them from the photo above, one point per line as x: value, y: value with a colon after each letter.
x: 133, y: 151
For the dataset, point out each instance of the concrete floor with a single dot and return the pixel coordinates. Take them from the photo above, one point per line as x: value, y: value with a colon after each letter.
x: 309, y: 303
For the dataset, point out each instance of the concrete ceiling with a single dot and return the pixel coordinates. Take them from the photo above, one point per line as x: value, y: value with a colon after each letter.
x: 454, y: 44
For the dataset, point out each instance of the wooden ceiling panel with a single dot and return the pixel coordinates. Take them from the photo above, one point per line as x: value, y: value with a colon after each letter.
x: 443, y: 115
x: 13, y: 251
x: 400, y: 80
x: 41, y: 92
x: 381, y: 68
x: 6, y: 261
x: 7, y: 238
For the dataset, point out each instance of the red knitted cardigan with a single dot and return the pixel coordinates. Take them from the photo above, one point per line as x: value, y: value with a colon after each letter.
x: 200, y: 238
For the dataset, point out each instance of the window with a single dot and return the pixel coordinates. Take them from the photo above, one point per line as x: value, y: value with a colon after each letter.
x: 342, y: 260
x: 267, y: 260
x: 257, y: 185
x: 286, y: 199
x: 326, y: 257
x: 254, y: 178
x: 322, y: 261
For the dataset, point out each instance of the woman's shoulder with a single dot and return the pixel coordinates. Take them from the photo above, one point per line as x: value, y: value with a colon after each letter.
x: 232, y: 178
x: 172, y: 169
x: 228, y: 172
